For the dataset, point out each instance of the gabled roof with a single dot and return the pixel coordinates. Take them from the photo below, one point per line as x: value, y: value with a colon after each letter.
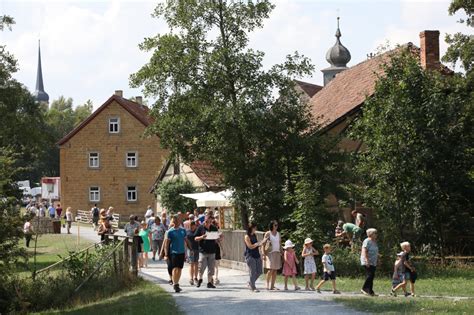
x: 139, y: 111
x: 346, y: 93
x: 309, y: 88
x: 204, y: 170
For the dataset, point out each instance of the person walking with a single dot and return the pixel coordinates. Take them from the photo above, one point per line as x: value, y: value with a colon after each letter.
x: 145, y: 235
x: 131, y: 226
x: 368, y: 258
x: 329, y: 270
x: 207, y: 251
x: 273, y: 252
x: 28, y: 231
x: 289, y: 264
x: 176, y: 240
x: 104, y: 225
x: 193, y: 256
x: 68, y: 219
x: 157, y: 236
x: 138, y: 240
x: 95, y: 216
x: 252, y: 256
x: 148, y: 212
x: 59, y: 210
x: 52, y: 212
x: 309, y: 264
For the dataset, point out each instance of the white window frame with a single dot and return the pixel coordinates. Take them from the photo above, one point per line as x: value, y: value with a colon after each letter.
x: 130, y: 192
x: 96, y: 193
x: 114, y: 123
x: 96, y: 158
x: 130, y: 159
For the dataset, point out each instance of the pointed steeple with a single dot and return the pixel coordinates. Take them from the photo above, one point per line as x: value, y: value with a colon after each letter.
x: 40, y: 94
x: 338, y: 56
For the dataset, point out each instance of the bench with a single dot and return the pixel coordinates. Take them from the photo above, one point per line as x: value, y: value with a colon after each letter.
x: 84, y: 216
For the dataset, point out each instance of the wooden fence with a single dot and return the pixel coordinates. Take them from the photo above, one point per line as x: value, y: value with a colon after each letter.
x: 84, y: 216
x: 233, y: 245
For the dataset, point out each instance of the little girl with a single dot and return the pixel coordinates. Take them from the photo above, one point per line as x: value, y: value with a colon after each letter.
x: 289, y: 265
x: 309, y: 264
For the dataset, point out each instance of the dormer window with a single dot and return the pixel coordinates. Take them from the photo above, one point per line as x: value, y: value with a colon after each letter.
x: 114, y: 125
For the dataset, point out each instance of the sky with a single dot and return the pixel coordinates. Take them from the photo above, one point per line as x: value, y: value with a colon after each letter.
x: 90, y: 48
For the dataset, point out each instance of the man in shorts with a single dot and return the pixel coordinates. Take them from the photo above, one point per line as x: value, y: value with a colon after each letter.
x: 176, y: 241
x: 193, y: 256
x: 207, y: 251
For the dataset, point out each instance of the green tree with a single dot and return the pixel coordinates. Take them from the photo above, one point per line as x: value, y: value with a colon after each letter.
x: 215, y: 100
x: 169, y: 194
x: 461, y: 46
x: 418, y: 136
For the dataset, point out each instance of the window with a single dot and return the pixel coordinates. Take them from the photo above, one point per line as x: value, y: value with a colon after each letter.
x: 94, y: 159
x: 114, y: 125
x: 94, y: 194
x: 131, y: 193
x: 132, y: 159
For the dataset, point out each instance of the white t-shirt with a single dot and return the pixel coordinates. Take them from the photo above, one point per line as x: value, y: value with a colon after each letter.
x: 275, y: 241
x: 148, y: 213
x: 27, y: 227
x: 327, y: 263
x: 68, y: 216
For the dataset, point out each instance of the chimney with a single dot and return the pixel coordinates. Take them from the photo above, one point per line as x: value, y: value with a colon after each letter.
x: 429, y: 50
x: 139, y: 100
x: 119, y: 93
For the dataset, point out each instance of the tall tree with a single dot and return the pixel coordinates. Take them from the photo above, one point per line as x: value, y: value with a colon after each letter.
x: 216, y: 101
x: 418, y: 132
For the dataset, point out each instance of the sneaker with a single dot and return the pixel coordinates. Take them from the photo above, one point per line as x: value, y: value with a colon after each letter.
x: 393, y: 293
x: 255, y: 290
x: 177, y: 289
x: 191, y: 282
x: 336, y: 292
x: 199, y: 283
x: 317, y: 290
x: 170, y: 282
x: 297, y: 288
x: 210, y: 285
x: 407, y: 294
x: 364, y: 292
x: 312, y: 289
x: 216, y: 281
x: 153, y: 258
x: 373, y: 294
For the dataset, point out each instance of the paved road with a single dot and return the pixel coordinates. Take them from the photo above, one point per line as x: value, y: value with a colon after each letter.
x: 232, y: 296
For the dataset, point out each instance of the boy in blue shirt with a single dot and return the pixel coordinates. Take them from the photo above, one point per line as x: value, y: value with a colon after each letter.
x: 175, y: 250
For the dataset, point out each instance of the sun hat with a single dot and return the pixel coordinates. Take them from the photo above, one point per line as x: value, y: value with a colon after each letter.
x: 288, y: 244
x: 307, y: 241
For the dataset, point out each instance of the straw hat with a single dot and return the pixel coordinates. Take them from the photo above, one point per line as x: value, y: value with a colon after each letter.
x: 308, y: 241
x: 288, y: 244
x: 103, y: 214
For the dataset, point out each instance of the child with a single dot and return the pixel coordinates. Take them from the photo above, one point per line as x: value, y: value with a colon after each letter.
x: 289, y: 265
x: 139, y: 241
x: 309, y: 265
x: 329, y: 270
x: 398, y: 279
x: 193, y: 258
x: 410, y: 271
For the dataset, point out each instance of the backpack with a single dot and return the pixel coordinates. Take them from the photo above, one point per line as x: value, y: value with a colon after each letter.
x: 95, y: 212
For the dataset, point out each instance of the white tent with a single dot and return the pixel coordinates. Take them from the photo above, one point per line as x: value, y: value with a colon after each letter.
x: 198, y: 196
x: 211, y: 199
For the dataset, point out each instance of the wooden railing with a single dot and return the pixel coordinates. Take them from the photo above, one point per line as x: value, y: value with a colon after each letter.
x: 233, y: 245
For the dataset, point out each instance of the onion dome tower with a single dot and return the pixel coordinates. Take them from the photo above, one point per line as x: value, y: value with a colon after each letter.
x: 338, y: 56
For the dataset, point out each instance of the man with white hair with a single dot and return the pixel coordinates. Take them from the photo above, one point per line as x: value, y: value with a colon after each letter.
x: 368, y: 258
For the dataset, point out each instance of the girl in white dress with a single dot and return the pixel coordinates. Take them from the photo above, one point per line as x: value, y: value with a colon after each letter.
x: 309, y: 264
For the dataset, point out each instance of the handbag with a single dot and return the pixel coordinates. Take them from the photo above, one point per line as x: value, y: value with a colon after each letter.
x: 267, y: 247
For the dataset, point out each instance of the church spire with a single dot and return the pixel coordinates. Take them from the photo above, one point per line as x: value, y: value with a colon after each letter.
x: 40, y: 94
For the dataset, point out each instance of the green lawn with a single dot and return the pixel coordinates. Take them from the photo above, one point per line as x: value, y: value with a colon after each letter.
x: 49, y: 247
x: 145, y: 298
x: 458, y: 283
x: 401, y: 305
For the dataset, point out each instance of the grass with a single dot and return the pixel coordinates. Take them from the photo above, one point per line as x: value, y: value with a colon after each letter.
x: 145, y: 298
x: 452, y: 283
x: 49, y: 248
x: 387, y: 305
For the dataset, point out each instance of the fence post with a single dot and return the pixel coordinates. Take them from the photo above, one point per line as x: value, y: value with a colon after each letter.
x: 115, y: 262
x: 120, y: 262
x: 126, y: 252
x: 134, y: 258
x: 115, y: 239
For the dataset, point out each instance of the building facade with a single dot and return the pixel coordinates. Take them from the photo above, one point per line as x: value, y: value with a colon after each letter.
x: 108, y: 161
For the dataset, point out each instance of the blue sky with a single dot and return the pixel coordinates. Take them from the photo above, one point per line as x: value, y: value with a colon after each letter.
x: 89, y: 48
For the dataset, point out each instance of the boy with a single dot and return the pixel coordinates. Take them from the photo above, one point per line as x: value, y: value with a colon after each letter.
x: 329, y: 270
x: 410, y: 271
x: 398, y: 278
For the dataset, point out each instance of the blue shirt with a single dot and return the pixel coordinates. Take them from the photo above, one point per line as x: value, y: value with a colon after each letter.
x: 176, y: 237
x: 372, y: 252
x: 52, y: 210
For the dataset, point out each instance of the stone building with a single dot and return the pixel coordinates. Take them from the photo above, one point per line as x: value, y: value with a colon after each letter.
x: 107, y: 160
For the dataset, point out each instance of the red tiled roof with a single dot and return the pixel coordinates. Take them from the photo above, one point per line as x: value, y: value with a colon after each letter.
x: 140, y: 112
x: 309, y: 88
x: 209, y: 175
x: 347, y: 91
